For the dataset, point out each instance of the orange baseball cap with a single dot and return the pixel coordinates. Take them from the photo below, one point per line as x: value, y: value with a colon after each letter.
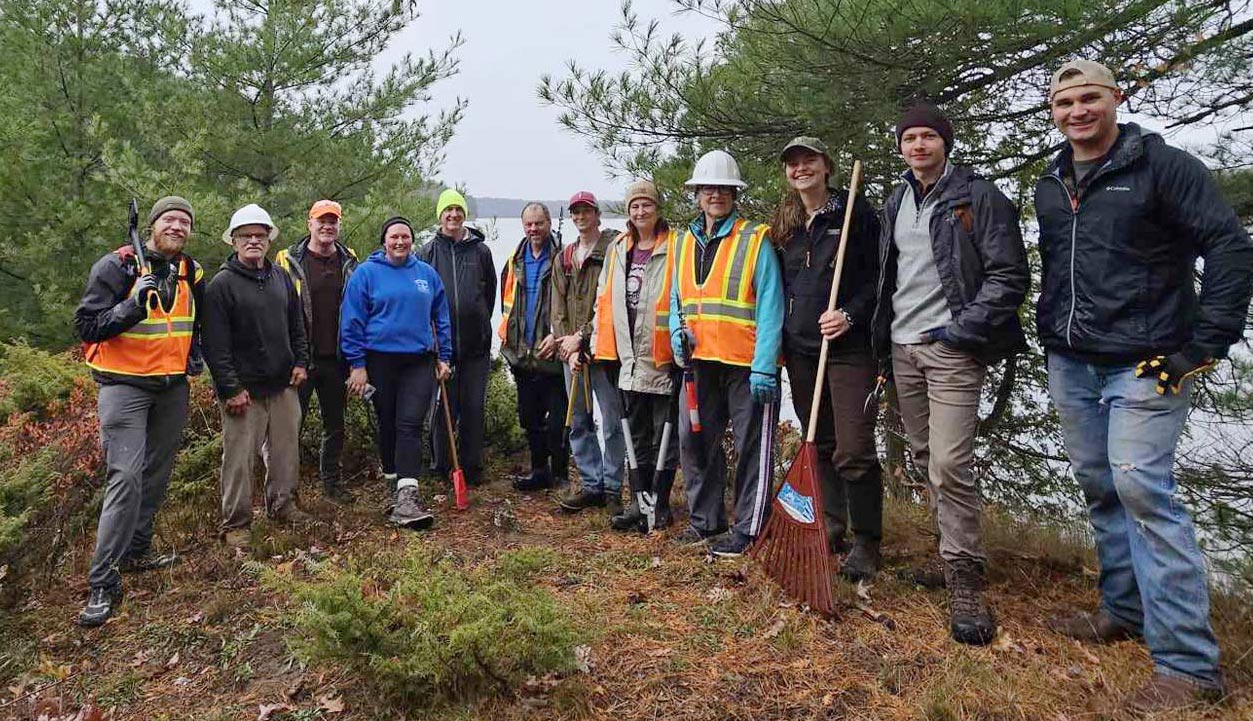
x: 326, y: 207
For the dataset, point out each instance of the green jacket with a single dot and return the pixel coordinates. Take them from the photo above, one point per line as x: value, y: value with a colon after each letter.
x: 574, y: 289
x: 513, y: 347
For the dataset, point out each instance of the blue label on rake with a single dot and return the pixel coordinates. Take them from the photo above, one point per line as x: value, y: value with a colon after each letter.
x: 797, y: 506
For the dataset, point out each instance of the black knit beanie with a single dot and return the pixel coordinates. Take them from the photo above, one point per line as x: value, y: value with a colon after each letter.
x: 392, y: 221
x: 926, y: 115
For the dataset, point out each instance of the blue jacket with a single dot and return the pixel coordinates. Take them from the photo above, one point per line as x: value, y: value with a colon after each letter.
x: 390, y: 309
x: 768, y: 284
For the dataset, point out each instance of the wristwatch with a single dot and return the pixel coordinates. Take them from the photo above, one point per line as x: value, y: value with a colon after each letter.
x: 848, y: 318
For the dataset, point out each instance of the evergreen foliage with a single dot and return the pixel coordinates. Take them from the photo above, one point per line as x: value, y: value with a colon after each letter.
x: 422, y: 628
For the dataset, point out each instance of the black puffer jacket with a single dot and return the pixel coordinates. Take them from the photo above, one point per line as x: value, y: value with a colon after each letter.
x: 978, y: 250
x: 469, y: 276
x: 808, y: 260
x: 1119, y: 259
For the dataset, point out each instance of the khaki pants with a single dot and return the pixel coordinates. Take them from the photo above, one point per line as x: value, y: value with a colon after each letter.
x: 938, y: 389
x: 272, y: 422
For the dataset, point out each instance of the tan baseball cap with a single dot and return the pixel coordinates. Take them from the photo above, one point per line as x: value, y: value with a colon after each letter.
x: 1081, y: 72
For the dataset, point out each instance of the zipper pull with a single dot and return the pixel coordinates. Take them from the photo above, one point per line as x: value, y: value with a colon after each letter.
x: 807, y: 257
x: 1074, y: 203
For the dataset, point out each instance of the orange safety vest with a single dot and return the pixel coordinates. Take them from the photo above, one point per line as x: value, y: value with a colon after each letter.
x: 606, y: 339
x: 722, y: 311
x: 507, y: 292
x: 159, y: 344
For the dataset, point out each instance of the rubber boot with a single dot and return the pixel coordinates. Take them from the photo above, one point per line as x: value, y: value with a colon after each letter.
x: 631, y: 519
x: 662, y: 486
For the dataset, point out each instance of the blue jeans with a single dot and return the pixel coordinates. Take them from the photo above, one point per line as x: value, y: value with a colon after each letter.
x: 1121, y: 437
x: 600, y: 472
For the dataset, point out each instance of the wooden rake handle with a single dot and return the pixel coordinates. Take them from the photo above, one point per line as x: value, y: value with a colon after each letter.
x: 815, y: 406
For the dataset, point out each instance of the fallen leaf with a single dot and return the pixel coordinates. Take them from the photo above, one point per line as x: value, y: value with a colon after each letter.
x: 197, y: 618
x: 266, y: 710
x: 182, y: 681
x: 90, y: 712
x: 863, y: 591
x: 583, y: 658
x: 660, y: 652
x: 330, y: 704
x: 656, y: 562
x: 173, y: 661
x: 1087, y: 655
x: 1005, y: 643
x: 717, y: 594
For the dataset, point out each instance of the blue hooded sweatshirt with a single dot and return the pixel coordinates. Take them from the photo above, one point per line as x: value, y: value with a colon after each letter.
x: 391, y: 308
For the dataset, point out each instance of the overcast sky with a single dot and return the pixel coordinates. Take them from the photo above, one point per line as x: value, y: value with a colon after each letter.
x: 508, y: 144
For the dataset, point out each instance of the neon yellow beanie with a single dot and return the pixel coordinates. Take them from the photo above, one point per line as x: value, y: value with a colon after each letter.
x: 449, y: 198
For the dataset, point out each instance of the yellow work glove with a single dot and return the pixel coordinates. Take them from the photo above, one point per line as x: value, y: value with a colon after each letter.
x: 1171, y: 371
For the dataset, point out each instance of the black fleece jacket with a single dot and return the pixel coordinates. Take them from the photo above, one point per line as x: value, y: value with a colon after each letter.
x: 808, y: 260
x: 254, y: 331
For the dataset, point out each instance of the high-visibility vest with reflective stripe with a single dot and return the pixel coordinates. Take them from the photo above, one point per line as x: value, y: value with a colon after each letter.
x: 722, y: 311
x: 159, y: 344
x: 508, y: 290
x: 606, y: 339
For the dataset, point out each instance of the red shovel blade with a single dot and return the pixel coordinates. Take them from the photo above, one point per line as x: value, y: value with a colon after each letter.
x: 460, y: 494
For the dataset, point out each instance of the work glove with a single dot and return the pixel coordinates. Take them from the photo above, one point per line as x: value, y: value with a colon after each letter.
x: 677, y: 342
x: 1171, y: 371
x: 765, y: 387
x: 144, y: 288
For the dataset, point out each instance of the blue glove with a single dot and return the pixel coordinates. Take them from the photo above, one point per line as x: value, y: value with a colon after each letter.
x: 765, y: 387
x: 676, y: 344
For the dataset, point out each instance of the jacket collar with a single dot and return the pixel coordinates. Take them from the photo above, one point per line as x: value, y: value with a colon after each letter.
x: 1126, y: 150
x: 297, y: 251
x: 697, y: 226
x: 554, y: 248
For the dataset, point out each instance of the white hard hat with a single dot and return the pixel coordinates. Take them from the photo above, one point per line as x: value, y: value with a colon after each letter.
x: 716, y: 167
x: 251, y: 214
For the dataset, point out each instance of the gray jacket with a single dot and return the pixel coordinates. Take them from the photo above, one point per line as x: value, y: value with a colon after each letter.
x: 639, y: 373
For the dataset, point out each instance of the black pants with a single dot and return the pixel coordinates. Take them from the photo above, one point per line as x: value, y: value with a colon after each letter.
x: 467, y: 395
x: 404, y: 386
x: 327, y: 378
x: 848, y: 462
x: 542, y: 414
x: 647, y: 414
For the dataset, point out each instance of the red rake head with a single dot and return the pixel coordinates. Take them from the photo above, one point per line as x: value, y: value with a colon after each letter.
x: 792, y: 549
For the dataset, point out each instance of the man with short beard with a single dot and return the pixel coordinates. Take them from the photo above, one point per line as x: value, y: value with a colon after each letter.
x: 140, y: 333
x: 1123, y: 219
x: 319, y: 266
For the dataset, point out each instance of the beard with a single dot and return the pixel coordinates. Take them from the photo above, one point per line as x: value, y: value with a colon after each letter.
x: 168, y: 245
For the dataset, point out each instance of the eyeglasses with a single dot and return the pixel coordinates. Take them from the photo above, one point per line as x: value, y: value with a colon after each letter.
x: 712, y: 190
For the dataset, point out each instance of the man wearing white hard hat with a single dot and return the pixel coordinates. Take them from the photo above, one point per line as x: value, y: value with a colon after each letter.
x: 727, y: 322
x: 255, y: 345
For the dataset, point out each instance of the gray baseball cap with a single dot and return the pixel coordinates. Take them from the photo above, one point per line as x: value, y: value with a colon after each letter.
x: 807, y: 142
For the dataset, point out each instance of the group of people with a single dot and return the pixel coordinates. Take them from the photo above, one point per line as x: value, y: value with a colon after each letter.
x: 675, y: 331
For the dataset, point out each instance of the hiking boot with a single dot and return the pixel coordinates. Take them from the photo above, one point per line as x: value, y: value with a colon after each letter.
x: 662, y: 483
x: 970, y: 620
x: 731, y: 544
x: 692, y: 536
x: 335, y: 492
x: 537, y: 481
x: 929, y: 575
x: 409, y: 511
x: 582, y: 501
x: 1099, y: 627
x: 101, y: 604
x: 1163, y: 693
x: 863, y: 561
x: 149, y: 561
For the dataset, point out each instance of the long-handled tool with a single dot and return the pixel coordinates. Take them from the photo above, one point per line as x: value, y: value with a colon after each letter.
x: 792, y: 549
x: 460, y: 493
x: 574, y: 388
x: 648, y: 501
